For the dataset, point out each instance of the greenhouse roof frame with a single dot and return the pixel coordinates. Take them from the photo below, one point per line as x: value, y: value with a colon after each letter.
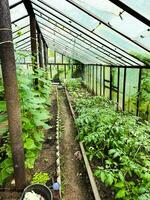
x: 122, y: 57
x: 81, y: 31
x: 131, y: 11
x: 108, y: 25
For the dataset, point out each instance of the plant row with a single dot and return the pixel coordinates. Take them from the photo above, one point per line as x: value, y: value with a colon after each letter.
x: 116, y: 143
x: 34, y: 110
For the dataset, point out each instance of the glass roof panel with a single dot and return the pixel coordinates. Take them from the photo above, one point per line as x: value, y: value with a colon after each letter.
x: 75, y: 40
x: 18, y: 11
x: 79, y: 28
x: 78, y: 33
x: 82, y: 36
x: 17, y: 25
x: 141, y: 6
x: 67, y: 8
x: 114, y: 17
x: 11, y: 2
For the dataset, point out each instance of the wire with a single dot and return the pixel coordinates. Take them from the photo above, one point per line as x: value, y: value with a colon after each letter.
x: 6, y: 42
x: 5, y: 29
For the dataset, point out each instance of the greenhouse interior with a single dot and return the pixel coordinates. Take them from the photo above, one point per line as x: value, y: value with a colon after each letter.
x: 74, y: 99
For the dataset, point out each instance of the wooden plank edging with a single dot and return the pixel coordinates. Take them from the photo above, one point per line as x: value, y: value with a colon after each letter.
x: 87, y: 164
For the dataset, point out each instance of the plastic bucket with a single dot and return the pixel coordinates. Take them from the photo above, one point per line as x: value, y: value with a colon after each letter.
x: 41, y: 189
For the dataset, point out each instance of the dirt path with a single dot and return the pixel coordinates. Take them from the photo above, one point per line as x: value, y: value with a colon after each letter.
x: 75, y: 181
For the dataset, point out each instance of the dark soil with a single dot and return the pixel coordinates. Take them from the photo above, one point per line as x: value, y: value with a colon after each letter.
x: 46, y: 161
x: 75, y: 183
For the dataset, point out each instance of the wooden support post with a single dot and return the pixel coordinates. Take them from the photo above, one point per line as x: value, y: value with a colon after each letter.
x: 40, y: 50
x: 11, y: 93
x: 33, y: 47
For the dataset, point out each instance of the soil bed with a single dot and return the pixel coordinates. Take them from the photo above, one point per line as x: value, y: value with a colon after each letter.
x: 46, y: 161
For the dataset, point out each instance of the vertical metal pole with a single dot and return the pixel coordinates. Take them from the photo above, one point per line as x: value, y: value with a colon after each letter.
x: 124, y: 89
x: 62, y: 58
x: 104, y: 81
x: 58, y: 70
x: 33, y: 46
x: 100, y: 80
x: 51, y: 75
x: 45, y: 55
x: 40, y: 50
x: 139, y: 92
x: 96, y: 78
x: 55, y: 57
x: 11, y: 94
x: 111, y: 83
x: 72, y: 71
x: 88, y: 76
x: 65, y: 71
x: 93, y: 80
x: 118, y: 87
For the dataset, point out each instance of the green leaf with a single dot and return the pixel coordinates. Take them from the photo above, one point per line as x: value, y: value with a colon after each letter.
x: 103, y: 176
x: 29, y: 163
x: 121, y: 176
x: 2, y: 106
x: 120, y: 184
x: 109, y: 180
x: 29, y: 144
x: 120, y: 194
x: 39, y: 136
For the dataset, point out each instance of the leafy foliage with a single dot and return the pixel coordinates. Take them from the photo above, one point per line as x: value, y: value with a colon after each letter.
x: 34, y: 110
x: 118, y: 145
x: 40, y: 178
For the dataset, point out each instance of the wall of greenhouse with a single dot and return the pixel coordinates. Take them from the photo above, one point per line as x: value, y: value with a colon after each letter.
x: 122, y: 86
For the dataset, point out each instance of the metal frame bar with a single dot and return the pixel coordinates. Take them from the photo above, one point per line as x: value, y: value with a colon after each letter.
x: 30, y: 10
x: 21, y: 35
x: 124, y: 89
x: 104, y: 81
x: 131, y: 11
x: 15, y: 4
x: 60, y: 44
x: 78, y: 47
x: 78, y: 35
x: 76, y: 43
x: 21, y: 28
x: 118, y: 86
x: 111, y: 83
x: 96, y: 78
x: 139, y: 92
x: 22, y: 39
x: 13, y: 22
x: 23, y: 44
x: 101, y: 21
